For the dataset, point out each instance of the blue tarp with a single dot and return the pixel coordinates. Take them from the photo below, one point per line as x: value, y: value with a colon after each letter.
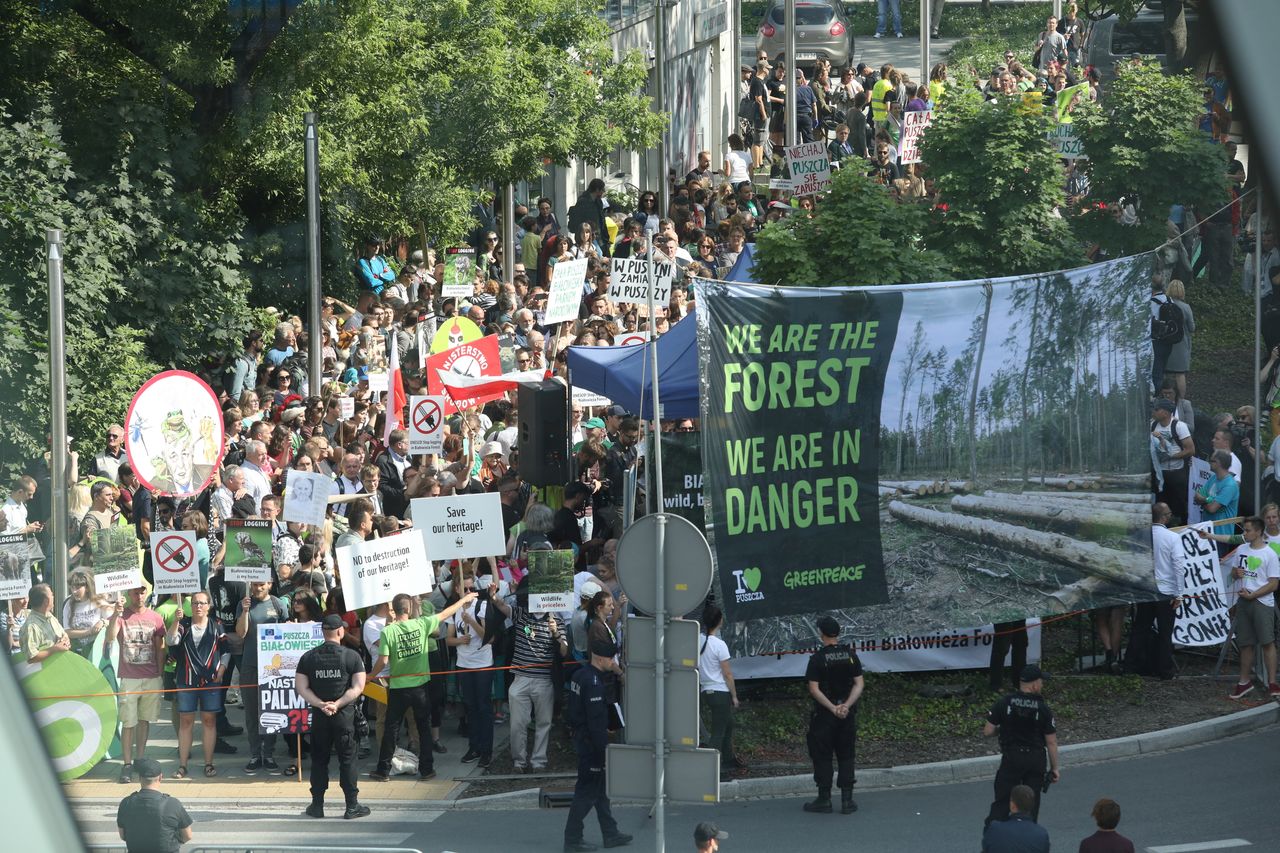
x: 742, y: 268
x: 623, y: 373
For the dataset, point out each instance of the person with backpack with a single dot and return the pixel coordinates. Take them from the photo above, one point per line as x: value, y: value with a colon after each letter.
x: 1173, y: 445
x: 1167, y: 329
x: 242, y: 373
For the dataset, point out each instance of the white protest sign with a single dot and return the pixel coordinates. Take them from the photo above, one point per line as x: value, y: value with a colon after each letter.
x: 173, y: 561
x: 346, y: 407
x: 460, y: 526
x: 280, y: 647
x: 629, y: 280
x: 376, y: 570
x: 1201, y: 618
x: 810, y: 168
x: 631, y: 339
x: 565, y: 297
x: 583, y: 397
x: 306, y: 497
x: 964, y: 648
x: 913, y: 125
x: 378, y: 382
x: 1198, y: 473
x: 426, y: 424
x: 1063, y: 138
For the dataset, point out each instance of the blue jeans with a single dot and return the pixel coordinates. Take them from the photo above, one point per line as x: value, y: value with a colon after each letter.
x: 477, y: 689
x: 884, y: 7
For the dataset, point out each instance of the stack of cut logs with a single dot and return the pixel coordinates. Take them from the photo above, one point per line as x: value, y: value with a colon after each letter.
x: 1063, y: 528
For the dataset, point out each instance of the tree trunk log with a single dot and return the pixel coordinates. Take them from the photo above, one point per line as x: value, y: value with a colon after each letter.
x: 1063, y: 500
x: 1143, y: 501
x: 915, y: 487
x: 1140, y: 481
x: 1088, y: 557
x: 1082, y: 520
x: 1069, y: 483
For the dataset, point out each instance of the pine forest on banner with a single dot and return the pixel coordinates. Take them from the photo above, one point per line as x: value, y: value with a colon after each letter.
x: 924, y: 457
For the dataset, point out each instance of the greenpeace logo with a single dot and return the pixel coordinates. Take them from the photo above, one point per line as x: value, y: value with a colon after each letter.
x: 748, y: 585
x: 820, y: 577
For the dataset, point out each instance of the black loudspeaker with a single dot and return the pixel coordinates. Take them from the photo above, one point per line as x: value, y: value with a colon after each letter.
x: 544, y: 434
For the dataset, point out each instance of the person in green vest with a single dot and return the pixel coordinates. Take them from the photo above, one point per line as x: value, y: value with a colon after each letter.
x: 405, y: 645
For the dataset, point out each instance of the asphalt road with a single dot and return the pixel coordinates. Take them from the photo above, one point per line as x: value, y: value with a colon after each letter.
x: 1217, y: 796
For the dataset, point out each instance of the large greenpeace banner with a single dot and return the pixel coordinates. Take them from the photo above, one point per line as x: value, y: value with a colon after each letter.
x: 921, y: 457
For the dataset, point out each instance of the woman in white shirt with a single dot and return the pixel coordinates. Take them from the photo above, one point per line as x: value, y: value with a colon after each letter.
x: 715, y: 678
x: 475, y: 673
x: 737, y: 164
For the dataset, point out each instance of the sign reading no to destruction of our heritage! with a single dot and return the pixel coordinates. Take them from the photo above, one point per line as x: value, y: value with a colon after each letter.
x: 791, y: 428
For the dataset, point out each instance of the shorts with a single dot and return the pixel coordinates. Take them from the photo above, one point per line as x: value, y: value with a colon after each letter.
x: 1255, y: 623
x: 139, y: 701
x: 207, y: 700
x: 760, y: 134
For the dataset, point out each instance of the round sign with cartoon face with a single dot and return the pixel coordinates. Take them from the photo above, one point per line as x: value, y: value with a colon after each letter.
x: 453, y: 331
x: 174, y: 435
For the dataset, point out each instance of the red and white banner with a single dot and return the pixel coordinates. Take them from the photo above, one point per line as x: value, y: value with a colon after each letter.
x: 459, y: 387
x: 472, y: 360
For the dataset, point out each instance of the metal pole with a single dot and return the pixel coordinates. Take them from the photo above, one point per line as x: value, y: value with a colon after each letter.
x: 1057, y: 10
x: 660, y: 610
x: 660, y: 79
x: 58, y: 416
x: 789, y: 32
x: 311, y: 145
x: 1255, y: 432
x: 925, y: 42
x: 510, y: 246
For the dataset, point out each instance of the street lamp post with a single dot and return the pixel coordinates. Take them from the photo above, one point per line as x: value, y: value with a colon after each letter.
x: 58, y: 450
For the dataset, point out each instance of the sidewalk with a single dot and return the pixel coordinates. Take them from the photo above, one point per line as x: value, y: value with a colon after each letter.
x: 232, y: 783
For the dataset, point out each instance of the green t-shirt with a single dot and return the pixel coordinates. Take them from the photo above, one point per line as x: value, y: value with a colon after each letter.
x: 406, y: 645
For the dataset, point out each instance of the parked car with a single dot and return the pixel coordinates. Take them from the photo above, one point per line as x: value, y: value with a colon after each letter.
x: 1109, y: 41
x: 822, y: 32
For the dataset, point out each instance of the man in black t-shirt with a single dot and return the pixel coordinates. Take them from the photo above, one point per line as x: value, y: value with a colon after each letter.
x: 1026, y: 729
x: 834, y: 676
x: 330, y: 678
x: 149, y: 821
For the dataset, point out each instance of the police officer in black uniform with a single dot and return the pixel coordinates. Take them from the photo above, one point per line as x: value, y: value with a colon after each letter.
x: 834, y: 675
x: 330, y: 678
x: 588, y: 713
x: 1026, y: 729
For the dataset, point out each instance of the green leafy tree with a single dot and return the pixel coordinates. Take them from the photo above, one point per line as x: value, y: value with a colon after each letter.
x: 1145, y: 131
x: 860, y: 235
x: 149, y: 282
x: 1001, y: 185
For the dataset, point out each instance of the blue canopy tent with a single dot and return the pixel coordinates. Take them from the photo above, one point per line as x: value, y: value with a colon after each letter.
x: 742, y: 268
x: 623, y: 373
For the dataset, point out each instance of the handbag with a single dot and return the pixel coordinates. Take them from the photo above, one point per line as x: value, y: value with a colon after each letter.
x: 746, y: 107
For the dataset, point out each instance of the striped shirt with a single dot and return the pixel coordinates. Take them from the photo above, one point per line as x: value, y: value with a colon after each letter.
x: 535, y: 643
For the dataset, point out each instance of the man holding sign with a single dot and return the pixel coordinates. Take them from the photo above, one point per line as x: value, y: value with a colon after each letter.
x: 1257, y: 569
x: 140, y: 631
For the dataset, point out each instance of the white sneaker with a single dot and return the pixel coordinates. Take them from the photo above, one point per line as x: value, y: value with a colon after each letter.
x: 878, y: 36
x: 899, y: 35
x: 233, y: 696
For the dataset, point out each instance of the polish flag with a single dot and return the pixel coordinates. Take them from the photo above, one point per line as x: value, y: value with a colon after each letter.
x: 396, y: 400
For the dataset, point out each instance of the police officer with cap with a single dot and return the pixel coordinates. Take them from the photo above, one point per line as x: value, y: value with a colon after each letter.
x: 835, y: 682
x: 330, y: 678
x: 707, y: 837
x: 588, y: 713
x: 1026, y: 729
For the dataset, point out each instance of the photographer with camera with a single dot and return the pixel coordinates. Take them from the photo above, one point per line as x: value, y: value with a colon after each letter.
x: 1026, y: 729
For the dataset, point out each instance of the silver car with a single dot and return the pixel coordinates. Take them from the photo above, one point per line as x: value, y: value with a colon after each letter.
x: 822, y: 32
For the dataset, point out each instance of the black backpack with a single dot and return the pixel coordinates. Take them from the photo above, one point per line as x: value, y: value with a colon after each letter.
x: 1166, y: 326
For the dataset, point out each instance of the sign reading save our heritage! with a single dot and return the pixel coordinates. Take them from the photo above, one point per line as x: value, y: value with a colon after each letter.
x: 791, y: 435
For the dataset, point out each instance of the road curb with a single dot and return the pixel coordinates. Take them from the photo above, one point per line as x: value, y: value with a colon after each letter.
x: 968, y: 769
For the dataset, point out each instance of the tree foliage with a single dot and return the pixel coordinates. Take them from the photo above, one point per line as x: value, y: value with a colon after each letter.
x: 140, y: 262
x: 860, y: 235
x: 1145, y: 132
x: 1001, y: 185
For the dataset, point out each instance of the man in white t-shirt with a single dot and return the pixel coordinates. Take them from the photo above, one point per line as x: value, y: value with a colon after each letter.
x: 1222, y: 440
x: 1173, y: 445
x: 475, y: 672
x: 371, y: 633
x: 1257, y: 569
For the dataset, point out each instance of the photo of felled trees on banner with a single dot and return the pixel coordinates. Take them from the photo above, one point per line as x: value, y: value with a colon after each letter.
x: 925, y: 457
